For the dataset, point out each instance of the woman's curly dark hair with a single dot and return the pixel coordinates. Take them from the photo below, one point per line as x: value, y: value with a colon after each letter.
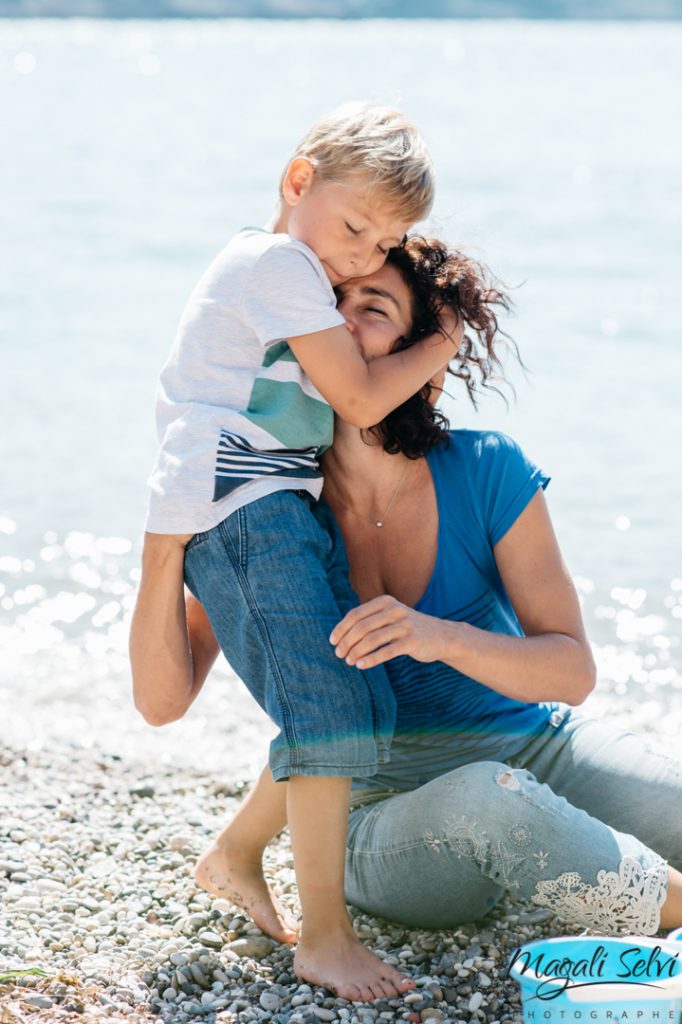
x: 438, y: 277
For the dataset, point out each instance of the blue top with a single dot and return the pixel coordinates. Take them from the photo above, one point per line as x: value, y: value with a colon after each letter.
x: 483, y: 482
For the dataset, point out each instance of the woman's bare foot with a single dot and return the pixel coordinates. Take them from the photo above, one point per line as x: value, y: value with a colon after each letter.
x: 340, y: 962
x: 223, y: 872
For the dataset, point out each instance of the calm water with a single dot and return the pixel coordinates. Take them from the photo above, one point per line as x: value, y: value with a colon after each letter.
x: 133, y: 150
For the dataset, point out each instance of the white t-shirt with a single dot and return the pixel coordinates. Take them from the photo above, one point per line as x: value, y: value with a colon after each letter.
x: 236, y: 415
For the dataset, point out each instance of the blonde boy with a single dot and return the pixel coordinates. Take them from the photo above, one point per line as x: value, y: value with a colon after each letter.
x: 261, y: 362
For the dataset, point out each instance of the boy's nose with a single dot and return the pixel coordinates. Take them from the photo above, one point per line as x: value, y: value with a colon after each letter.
x: 361, y: 258
x: 366, y: 263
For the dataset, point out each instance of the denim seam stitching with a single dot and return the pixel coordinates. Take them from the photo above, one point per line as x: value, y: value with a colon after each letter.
x: 287, y: 717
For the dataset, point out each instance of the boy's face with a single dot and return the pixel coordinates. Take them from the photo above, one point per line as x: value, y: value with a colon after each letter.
x: 344, y: 225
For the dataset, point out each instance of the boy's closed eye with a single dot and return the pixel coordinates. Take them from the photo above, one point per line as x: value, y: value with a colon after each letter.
x: 358, y: 231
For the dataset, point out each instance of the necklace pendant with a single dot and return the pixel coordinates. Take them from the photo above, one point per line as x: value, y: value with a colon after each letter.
x: 378, y: 523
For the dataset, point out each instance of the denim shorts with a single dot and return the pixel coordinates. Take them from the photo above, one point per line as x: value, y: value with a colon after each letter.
x: 274, y: 584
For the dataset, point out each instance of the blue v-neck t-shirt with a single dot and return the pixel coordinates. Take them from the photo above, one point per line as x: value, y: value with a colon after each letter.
x: 483, y: 482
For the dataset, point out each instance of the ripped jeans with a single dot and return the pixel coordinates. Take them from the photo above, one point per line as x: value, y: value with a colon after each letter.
x: 581, y: 821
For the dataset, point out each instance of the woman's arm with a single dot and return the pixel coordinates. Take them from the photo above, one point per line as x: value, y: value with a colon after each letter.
x: 172, y: 646
x: 553, y: 661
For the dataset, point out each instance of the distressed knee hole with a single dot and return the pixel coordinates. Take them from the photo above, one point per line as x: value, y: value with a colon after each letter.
x: 508, y: 781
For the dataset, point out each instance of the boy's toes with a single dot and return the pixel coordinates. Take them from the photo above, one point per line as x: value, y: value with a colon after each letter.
x: 382, y: 990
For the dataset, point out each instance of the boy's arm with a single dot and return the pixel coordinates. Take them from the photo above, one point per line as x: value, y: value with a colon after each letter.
x: 172, y: 646
x: 364, y: 393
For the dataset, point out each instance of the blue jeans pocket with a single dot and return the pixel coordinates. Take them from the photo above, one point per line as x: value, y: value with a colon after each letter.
x: 198, y: 538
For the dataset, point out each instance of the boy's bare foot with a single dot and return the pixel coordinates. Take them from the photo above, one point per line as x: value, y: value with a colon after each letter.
x: 340, y: 962
x: 223, y: 872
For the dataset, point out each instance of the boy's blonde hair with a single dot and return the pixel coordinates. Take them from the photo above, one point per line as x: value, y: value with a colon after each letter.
x: 381, y: 145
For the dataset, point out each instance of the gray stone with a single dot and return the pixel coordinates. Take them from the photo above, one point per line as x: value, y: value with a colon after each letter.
x: 322, y: 1013
x: 40, y: 1002
x: 142, y: 789
x: 198, y: 975
x: 270, y: 1002
x: 536, y: 916
x: 196, y: 921
x: 255, y: 946
x: 211, y: 938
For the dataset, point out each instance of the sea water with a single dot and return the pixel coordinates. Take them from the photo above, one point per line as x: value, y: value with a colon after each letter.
x: 133, y: 150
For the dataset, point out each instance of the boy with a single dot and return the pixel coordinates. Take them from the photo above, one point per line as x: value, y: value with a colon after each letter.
x: 261, y: 362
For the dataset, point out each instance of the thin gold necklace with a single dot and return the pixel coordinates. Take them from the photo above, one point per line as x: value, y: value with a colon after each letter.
x: 380, y: 522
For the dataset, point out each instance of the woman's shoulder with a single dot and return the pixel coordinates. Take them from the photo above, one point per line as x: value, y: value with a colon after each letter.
x: 479, y: 446
x: 486, y: 461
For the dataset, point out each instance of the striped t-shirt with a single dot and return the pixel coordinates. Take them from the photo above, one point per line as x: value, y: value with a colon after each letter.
x: 236, y: 415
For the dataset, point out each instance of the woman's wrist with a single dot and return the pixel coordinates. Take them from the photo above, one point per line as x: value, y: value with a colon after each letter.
x: 160, y: 548
x: 455, y: 645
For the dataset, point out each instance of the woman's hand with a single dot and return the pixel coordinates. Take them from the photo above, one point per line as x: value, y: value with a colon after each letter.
x: 384, y: 628
x: 160, y: 542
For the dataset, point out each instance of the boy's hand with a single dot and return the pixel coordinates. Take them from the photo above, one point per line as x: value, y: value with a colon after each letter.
x: 450, y: 325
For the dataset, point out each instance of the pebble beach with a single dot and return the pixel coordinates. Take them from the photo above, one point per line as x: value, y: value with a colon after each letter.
x: 99, y: 900
x: 102, y: 818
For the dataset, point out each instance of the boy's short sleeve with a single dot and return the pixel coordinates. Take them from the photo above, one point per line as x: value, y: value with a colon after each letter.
x: 508, y: 481
x: 287, y: 295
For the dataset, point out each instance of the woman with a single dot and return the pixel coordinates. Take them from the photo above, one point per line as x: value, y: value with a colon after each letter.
x: 495, y: 782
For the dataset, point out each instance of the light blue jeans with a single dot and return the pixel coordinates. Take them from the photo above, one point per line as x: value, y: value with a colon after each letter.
x: 583, y: 821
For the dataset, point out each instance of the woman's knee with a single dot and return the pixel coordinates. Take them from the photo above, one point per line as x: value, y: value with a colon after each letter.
x: 479, y: 790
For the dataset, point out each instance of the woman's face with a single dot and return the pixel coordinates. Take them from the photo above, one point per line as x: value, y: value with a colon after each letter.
x: 377, y: 310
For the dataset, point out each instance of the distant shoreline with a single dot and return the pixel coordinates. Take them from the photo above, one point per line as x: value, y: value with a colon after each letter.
x: 348, y: 10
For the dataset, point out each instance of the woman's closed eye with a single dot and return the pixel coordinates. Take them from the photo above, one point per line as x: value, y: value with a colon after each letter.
x: 375, y: 309
x: 353, y: 231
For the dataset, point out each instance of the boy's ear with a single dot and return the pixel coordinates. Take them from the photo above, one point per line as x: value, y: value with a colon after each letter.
x: 298, y: 180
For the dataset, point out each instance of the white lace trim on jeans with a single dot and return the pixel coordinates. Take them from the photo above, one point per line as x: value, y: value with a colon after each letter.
x: 628, y: 900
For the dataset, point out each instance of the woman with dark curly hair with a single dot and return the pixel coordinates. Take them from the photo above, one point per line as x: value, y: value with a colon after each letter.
x: 495, y: 781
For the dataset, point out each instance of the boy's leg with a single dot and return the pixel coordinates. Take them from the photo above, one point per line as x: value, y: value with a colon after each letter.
x: 232, y: 867
x: 261, y: 575
x: 329, y: 952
